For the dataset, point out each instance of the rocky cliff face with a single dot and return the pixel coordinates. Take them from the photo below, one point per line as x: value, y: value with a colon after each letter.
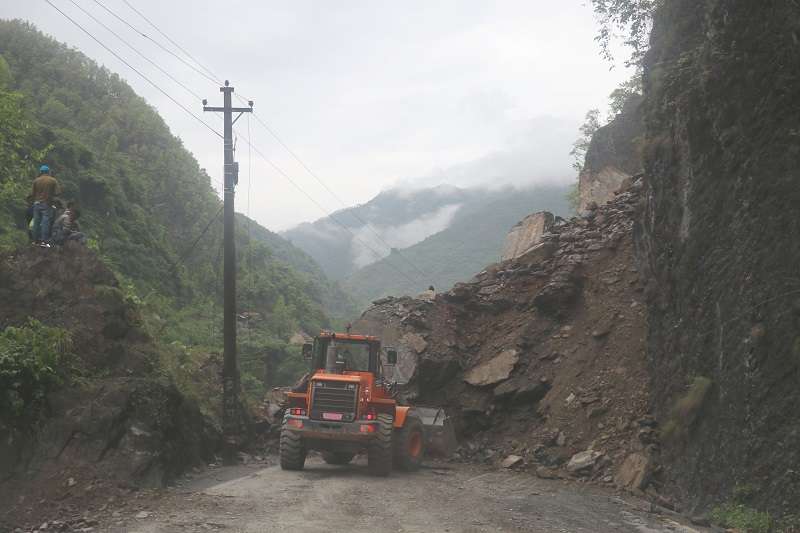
x: 720, y: 238
x: 613, y: 156
x: 541, y: 356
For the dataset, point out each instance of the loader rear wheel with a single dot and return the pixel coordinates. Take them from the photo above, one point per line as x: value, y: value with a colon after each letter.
x: 379, y: 451
x: 337, y: 458
x: 409, y: 445
x: 292, y: 451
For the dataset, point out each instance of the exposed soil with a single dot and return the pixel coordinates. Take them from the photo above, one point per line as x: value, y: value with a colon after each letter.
x: 115, y: 424
x: 569, y: 316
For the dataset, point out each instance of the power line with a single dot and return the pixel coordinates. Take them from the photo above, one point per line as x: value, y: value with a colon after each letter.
x: 329, y: 214
x: 336, y: 196
x: 179, y: 47
x: 262, y: 122
x: 148, y: 80
x: 164, y: 48
x: 115, y: 34
x: 191, y: 248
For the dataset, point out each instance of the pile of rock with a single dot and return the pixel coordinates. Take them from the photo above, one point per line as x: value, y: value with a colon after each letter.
x: 540, y: 359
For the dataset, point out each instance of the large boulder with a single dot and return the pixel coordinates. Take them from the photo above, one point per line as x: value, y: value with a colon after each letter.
x: 526, y: 233
x: 493, y: 371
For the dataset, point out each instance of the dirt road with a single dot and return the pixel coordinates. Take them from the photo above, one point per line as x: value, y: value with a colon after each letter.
x: 327, y: 499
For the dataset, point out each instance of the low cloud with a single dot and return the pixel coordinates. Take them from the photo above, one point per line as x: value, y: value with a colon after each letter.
x: 401, y: 236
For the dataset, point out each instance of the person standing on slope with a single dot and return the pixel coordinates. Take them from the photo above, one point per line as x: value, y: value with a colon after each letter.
x: 45, y: 189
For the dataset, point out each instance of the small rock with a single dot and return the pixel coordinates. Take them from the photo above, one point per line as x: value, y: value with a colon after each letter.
x: 142, y: 515
x: 583, y: 461
x: 634, y: 473
x: 701, y: 521
x: 71, y: 482
x: 561, y: 440
x: 511, y: 461
x: 546, y: 473
x: 570, y: 399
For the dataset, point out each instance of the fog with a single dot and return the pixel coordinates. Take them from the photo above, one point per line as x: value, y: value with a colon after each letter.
x: 368, y: 94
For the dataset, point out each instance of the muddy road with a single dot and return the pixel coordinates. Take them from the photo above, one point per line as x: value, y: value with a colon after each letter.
x: 450, y: 498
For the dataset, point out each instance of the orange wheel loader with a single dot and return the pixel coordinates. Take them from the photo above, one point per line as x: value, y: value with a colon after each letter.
x: 347, y: 406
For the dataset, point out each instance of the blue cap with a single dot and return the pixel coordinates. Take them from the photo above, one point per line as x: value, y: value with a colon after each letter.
x: 44, y: 169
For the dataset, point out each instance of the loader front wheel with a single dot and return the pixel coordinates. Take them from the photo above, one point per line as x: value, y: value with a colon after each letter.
x: 337, y: 458
x: 379, y: 451
x: 292, y: 451
x: 409, y: 445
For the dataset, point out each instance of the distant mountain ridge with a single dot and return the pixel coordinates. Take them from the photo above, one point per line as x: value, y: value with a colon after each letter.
x: 459, y: 232
x: 473, y: 240
x: 397, y: 218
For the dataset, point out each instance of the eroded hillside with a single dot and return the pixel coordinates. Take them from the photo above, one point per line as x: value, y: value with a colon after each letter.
x: 109, y: 420
x: 542, y: 356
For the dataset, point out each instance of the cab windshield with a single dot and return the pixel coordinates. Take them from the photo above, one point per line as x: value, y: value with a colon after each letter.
x: 354, y: 356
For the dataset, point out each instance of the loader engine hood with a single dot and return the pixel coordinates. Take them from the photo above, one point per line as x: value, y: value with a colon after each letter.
x: 335, y: 398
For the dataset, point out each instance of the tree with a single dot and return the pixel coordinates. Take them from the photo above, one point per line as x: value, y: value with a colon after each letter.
x: 579, y: 148
x: 632, y: 17
x: 621, y: 94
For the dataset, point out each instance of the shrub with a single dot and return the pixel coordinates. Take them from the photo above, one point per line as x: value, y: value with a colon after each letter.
x: 742, y: 518
x: 687, y: 409
x: 30, y: 360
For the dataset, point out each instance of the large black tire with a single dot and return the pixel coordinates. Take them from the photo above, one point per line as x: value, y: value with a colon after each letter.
x: 379, y: 451
x: 337, y: 458
x: 293, y: 453
x: 409, y: 445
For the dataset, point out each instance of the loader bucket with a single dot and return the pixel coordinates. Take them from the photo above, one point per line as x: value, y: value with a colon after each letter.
x: 438, y: 432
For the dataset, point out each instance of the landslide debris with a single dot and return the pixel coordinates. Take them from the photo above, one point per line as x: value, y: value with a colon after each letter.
x: 116, y: 423
x: 541, y: 357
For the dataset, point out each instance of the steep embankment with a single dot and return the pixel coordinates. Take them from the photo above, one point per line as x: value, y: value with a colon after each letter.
x: 720, y: 240
x: 109, y: 420
x: 541, y: 356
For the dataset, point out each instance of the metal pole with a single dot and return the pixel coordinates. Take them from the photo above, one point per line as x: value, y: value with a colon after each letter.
x: 230, y: 368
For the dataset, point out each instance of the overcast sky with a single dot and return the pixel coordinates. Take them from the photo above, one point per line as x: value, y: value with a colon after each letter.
x: 368, y: 93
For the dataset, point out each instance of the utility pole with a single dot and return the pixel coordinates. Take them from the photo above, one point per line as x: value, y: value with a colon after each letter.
x: 230, y: 368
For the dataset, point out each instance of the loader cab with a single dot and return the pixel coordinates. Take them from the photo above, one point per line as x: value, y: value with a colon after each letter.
x: 338, y: 353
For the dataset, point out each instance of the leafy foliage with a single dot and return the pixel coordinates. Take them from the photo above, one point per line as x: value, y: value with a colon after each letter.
x: 742, y: 518
x: 143, y: 196
x: 579, y: 148
x: 632, y: 17
x: 31, y: 360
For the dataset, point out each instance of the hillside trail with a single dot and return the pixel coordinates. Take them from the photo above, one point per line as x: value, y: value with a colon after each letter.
x: 445, y: 498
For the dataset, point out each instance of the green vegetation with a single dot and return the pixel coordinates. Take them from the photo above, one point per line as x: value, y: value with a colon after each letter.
x: 32, y: 358
x: 633, y: 18
x: 590, y: 125
x: 739, y: 514
x: 687, y: 409
x: 742, y: 518
x: 473, y: 240
x: 144, y: 201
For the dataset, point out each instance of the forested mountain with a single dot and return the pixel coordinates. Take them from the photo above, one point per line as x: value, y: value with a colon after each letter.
x: 342, y: 243
x: 473, y: 239
x: 420, y: 237
x: 144, y: 199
